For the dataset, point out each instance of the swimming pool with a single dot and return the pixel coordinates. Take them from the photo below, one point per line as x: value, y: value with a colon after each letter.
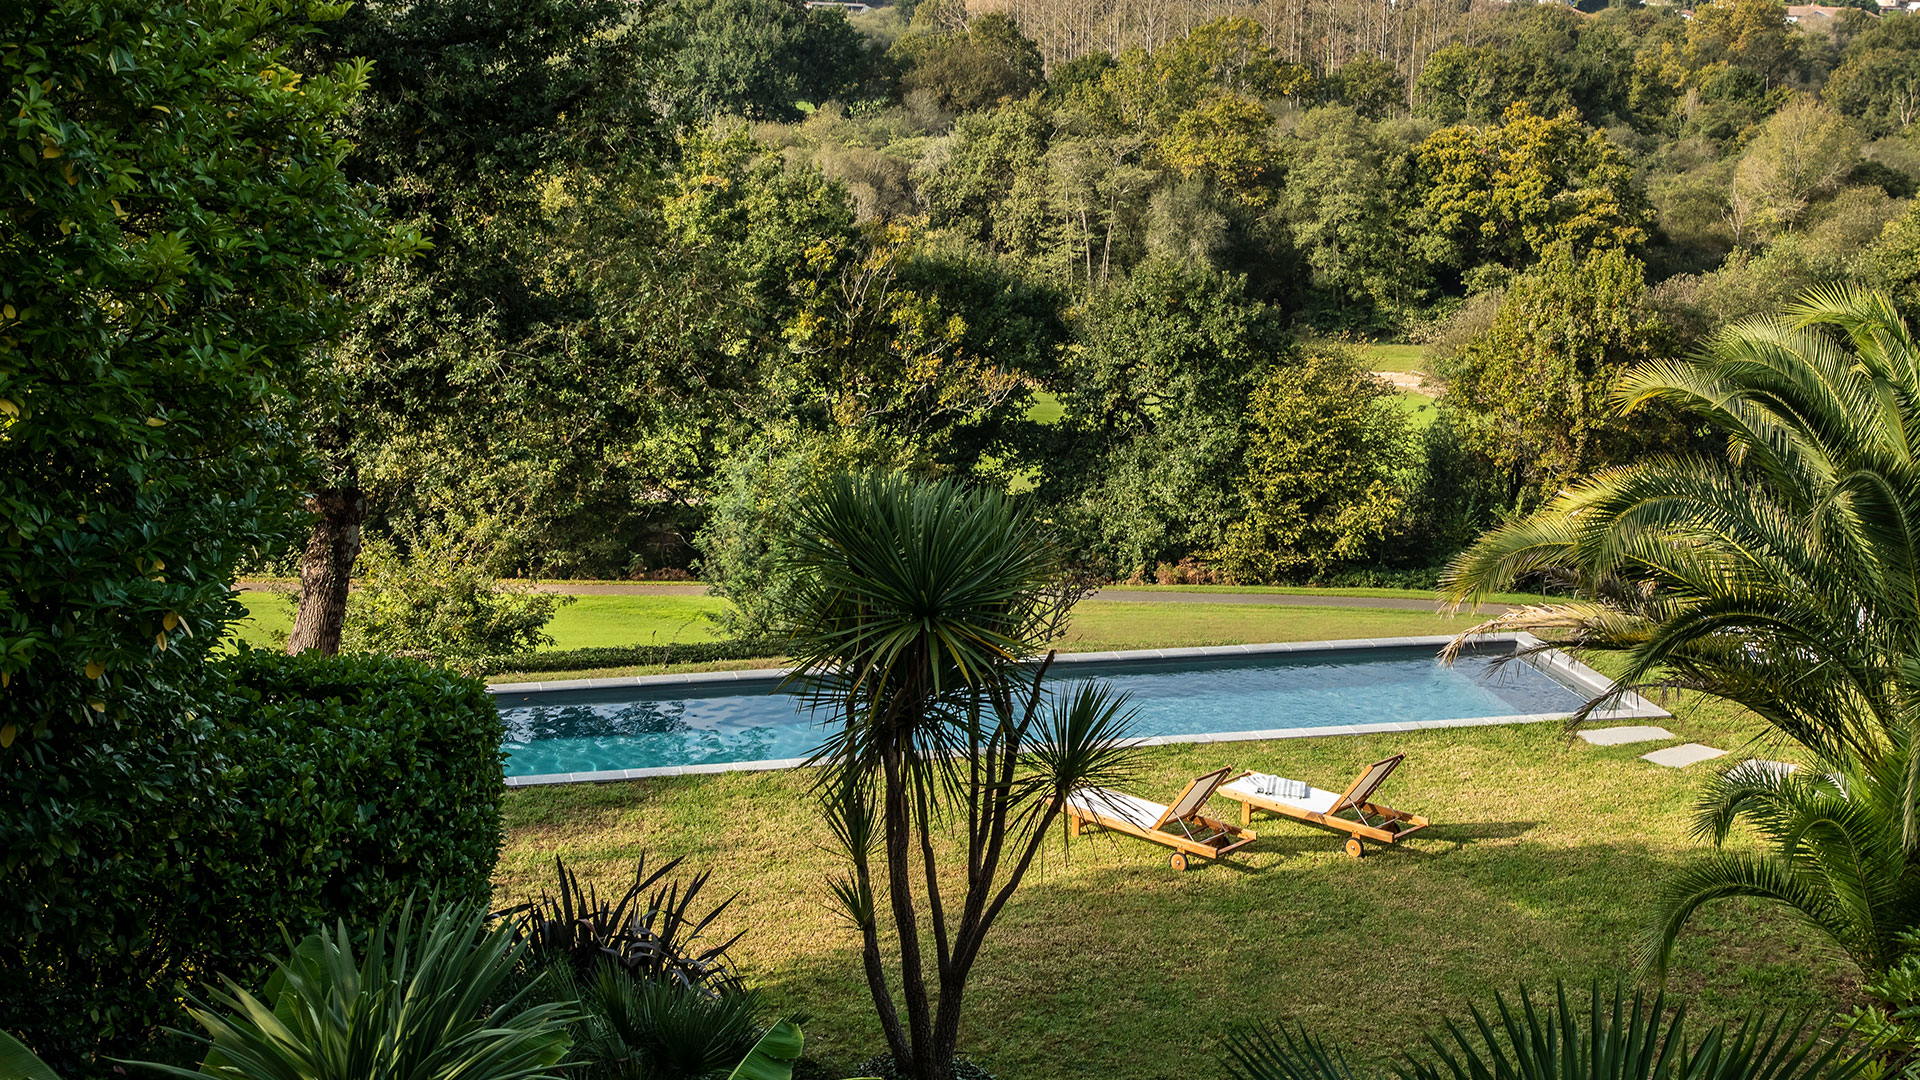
x: 608, y: 729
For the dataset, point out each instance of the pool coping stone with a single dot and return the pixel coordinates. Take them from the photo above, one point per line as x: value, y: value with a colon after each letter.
x: 1535, y: 653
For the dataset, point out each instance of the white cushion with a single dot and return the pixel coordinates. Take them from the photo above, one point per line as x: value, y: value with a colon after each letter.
x: 1106, y: 802
x: 1316, y: 800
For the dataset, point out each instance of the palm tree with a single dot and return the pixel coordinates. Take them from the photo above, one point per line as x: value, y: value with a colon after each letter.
x: 1627, y: 1041
x: 1780, y: 573
x: 917, y: 620
x: 1838, y: 858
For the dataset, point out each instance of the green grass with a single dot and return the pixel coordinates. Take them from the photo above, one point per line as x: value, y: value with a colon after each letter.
x: 635, y: 620
x: 1418, y: 407
x: 1046, y: 408
x: 1102, y: 625
x: 1542, y: 862
x: 1098, y: 624
x: 1393, y: 357
x: 1123, y: 591
x: 269, y: 617
x: 588, y: 621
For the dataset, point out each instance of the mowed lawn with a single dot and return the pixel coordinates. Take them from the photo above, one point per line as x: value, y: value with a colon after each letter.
x: 1394, y: 357
x: 1097, y: 625
x: 1544, y: 857
x: 587, y: 622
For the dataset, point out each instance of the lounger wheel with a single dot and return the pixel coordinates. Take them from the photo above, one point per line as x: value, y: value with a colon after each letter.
x: 1178, y: 862
x: 1355, y: 848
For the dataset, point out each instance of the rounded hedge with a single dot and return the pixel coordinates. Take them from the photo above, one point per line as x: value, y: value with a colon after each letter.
x: 297, y: 791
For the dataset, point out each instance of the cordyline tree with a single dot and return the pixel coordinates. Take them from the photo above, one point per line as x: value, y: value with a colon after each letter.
x: 918, y: 618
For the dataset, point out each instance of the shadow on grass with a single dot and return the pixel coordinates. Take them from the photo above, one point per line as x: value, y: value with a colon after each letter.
x: 1110, y: 963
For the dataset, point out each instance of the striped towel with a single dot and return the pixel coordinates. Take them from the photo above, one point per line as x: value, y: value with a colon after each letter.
x: 1279, y: 786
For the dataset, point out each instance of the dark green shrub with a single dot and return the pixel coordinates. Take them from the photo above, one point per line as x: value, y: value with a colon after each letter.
x: 177, y: 219
x: 360, y: 779
x: 298, y: 791
x: 439, y: 600
x: 703, y: 652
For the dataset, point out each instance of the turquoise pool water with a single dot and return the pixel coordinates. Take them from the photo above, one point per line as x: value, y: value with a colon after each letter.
x: 573, y: 731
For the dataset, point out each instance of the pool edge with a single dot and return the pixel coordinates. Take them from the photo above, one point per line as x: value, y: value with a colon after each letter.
x: 1532, y: 651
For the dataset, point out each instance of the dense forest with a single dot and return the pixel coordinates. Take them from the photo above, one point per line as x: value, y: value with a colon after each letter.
x: 675, y: 260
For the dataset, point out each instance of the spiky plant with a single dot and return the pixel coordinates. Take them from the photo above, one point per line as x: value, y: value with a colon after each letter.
x: 1782, y: 574
x: 429, y: 998
x: 919, y: 617
x: 652, y: 1030
x: 656, y: 936
x: 1619, y: 1040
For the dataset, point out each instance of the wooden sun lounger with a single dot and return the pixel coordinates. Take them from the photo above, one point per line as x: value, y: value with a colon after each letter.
x: 1180, y: 826
x: 1370, y: 819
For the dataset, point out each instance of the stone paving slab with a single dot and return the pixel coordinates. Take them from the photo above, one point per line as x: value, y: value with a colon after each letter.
x: 1619, y: 736
x: 1679, y: 757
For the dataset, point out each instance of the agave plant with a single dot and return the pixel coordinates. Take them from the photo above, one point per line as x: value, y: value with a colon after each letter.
x: 430, y: 998
x: 653, y: 937
x: 1635, y: 1040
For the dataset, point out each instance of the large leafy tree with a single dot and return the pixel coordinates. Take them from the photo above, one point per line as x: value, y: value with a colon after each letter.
x: 176, y: 223
x: 1800, y: 154
x: 1147, y: 458
x: 463, y: 358
x: 1479, y: 82
x: 919, y: 615
x: 1324, y: 450
x: 1343, y: 199
x: 760, y: 59
x: 1750, y: 34
x: 1504, y: 195
x: 987, y: 62
x: 1533, y: 393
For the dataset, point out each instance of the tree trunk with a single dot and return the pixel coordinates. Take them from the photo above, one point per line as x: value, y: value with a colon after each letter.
x: 326, y: 570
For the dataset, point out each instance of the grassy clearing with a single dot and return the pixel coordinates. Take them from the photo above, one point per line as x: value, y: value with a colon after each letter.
x: 1108, y: 963
x: 1123, y: 591
x: 1393, y: 357
x: 269, y: 617
x: 1046, y: 408
x: 1101, y: 625
x: 1098, y: 624
x: 1420, y: 408
x: 588, y: 622
x: 636, y: 620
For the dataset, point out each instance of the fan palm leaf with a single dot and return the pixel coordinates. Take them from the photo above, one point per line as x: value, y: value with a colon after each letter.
x: 1614, y: 1038
x: 1780, y: 574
